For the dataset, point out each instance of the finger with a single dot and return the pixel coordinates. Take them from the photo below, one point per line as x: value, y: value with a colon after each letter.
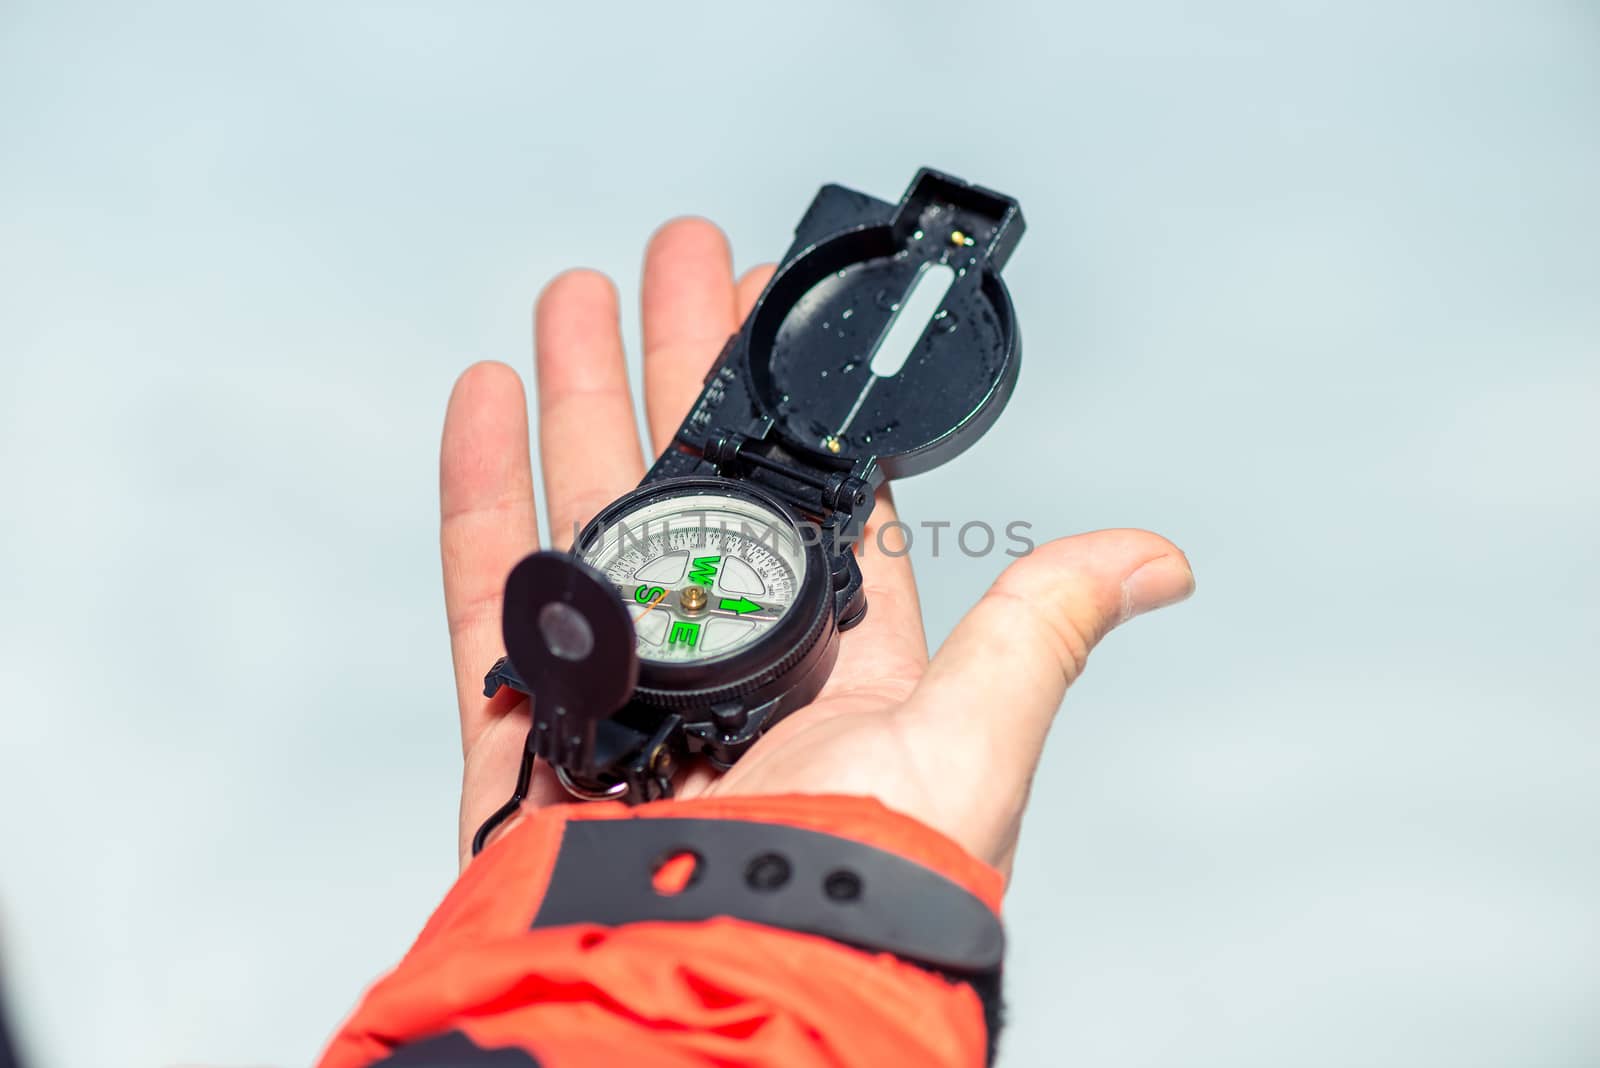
x: 588, y: 440
x: 992, y: 690
x: 487, y: 523
x: 750, y: 285
x: 887, y: 652
x: 689, y: 313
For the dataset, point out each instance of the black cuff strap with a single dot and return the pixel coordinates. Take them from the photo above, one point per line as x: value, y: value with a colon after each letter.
x: 774, y: 875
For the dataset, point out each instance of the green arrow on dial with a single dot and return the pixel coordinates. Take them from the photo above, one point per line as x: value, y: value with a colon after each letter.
x: 738, y: 606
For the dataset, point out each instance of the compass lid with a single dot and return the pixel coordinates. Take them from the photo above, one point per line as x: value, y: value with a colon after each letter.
x: 887, y: 332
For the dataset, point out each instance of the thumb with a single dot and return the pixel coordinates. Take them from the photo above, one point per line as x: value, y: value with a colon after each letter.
x: 992, y: 691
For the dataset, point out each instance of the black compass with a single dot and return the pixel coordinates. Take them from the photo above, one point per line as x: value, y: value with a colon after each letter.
x: 884, y: 345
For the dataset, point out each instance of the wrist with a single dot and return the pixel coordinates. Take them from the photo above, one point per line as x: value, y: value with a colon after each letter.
x: 540, y: 917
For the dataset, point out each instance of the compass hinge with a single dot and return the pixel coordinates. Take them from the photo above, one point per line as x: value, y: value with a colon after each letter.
x: 822, y: 495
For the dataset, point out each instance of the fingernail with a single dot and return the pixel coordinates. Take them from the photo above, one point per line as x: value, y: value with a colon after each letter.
x: 1156, y: 584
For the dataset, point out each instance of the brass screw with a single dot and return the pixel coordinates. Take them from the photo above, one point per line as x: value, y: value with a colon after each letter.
x: 693, y: 599
x: 832, y: 444
x: 959, y: 238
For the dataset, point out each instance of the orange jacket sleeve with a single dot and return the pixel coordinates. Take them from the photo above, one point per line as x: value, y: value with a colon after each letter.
x: 481, y: 985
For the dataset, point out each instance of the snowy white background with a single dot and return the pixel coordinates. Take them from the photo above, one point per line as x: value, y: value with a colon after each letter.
x: 1310, y: 287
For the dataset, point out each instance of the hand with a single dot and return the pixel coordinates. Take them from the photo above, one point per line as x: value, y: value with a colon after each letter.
x: 952, y: 742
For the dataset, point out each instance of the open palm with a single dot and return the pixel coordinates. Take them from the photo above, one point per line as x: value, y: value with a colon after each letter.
x: 952, y: 741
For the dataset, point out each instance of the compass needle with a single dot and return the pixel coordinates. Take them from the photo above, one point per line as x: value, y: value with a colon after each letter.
x: 738, y: 606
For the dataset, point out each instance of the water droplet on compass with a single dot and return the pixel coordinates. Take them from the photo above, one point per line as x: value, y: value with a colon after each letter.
x: 886, y: 300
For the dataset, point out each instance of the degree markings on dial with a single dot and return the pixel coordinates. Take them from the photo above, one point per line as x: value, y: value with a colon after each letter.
x: 747, y: 566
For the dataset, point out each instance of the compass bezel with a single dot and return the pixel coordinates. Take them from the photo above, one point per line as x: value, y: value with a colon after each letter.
x: 694, y: 686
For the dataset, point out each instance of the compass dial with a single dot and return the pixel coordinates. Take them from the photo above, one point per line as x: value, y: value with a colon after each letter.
x: 703, y: 575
